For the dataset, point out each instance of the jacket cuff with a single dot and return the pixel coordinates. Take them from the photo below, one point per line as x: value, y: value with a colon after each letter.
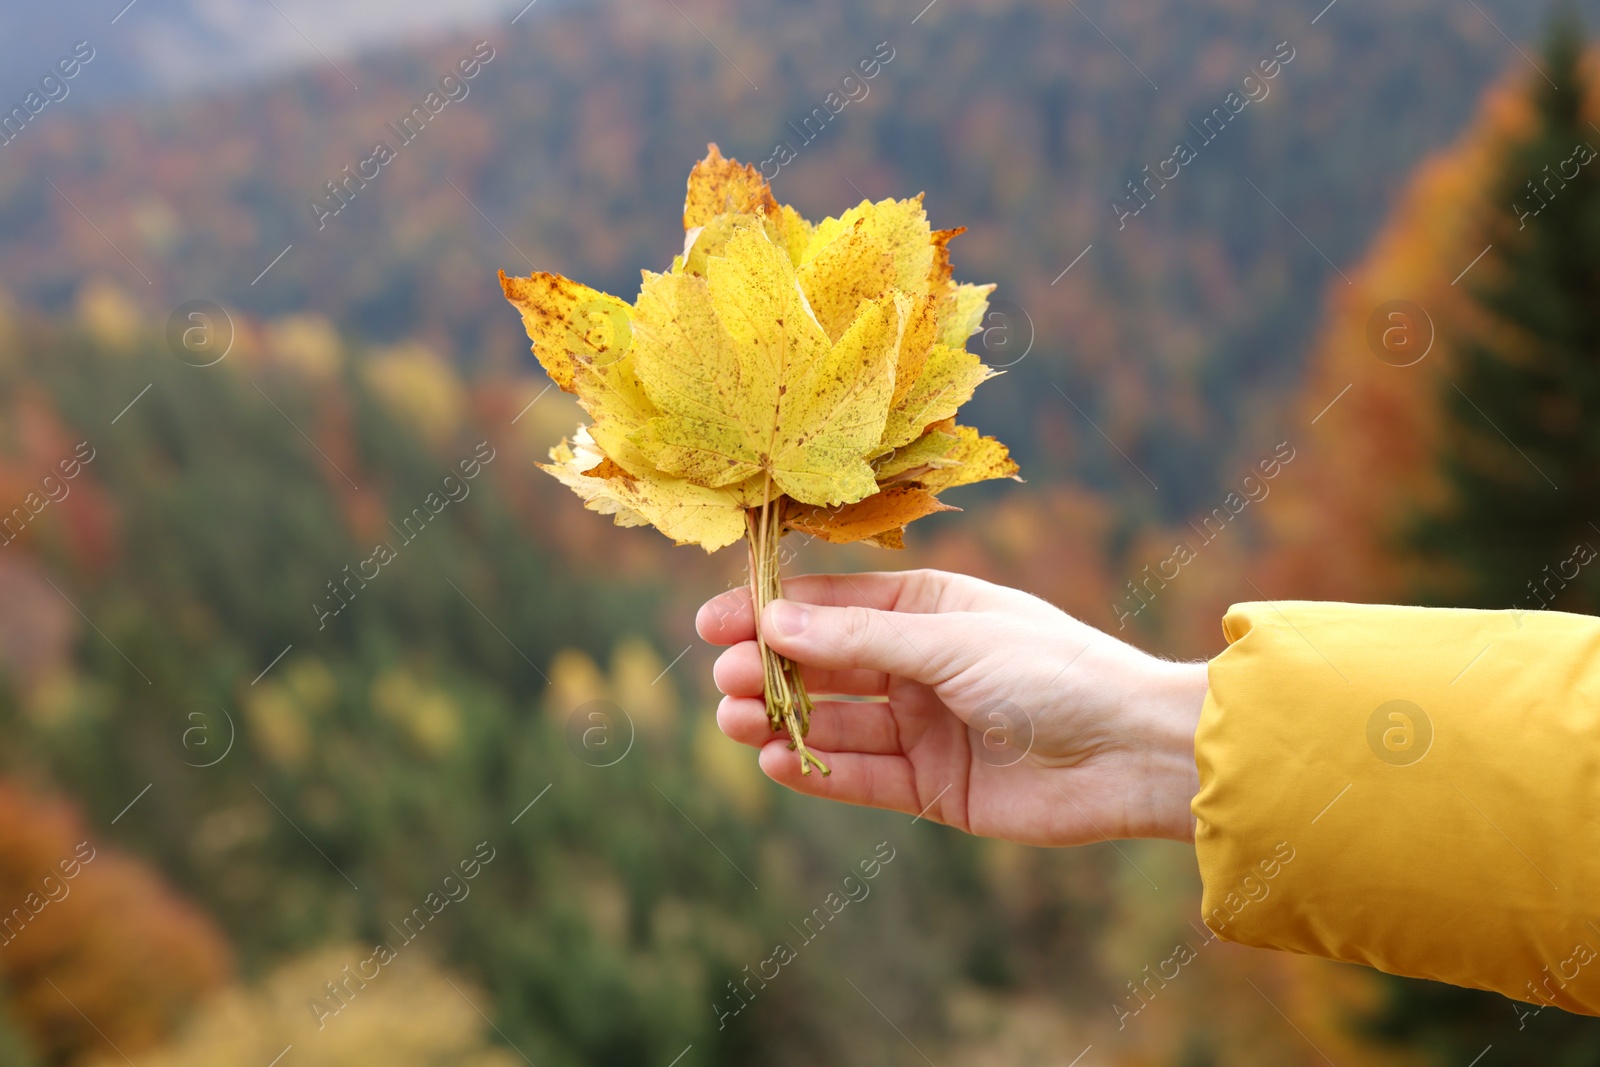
x: 1412, y: 789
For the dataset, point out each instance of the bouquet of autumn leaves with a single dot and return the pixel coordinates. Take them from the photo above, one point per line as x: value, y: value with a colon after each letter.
x: 782, y: 375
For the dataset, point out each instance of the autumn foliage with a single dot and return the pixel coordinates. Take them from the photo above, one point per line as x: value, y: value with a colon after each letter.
x: 89, y: 933
x: 1340, y: 527
x: 814, y: 370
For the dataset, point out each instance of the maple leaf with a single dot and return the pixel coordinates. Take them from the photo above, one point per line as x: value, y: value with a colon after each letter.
x: 869, y: 250
x: 571, y: 325
x: 926, y: 452
x: 872, y: 248
x: 964, y: 312
x: 719, y: 186
x: 748, y: 383
x: 944, y: 382
x: 909, y: 481
x: 685, y: 512
x: 889, y: 509
x: 974, y: 458
x: 723, y: 195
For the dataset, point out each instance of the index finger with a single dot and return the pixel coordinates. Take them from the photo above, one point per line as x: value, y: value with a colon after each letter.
x: 727, y: 619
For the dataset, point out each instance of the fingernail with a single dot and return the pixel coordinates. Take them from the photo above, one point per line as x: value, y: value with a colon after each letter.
x: 788, y: 617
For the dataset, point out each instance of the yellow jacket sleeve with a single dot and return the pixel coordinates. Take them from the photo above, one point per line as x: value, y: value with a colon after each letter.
x: 1413, y: 789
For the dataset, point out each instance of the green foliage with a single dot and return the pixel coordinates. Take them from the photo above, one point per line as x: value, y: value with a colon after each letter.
x: 395, y: 738
x: 1446, y: 1026
x: 382, y: 749
x: 14, y: 1049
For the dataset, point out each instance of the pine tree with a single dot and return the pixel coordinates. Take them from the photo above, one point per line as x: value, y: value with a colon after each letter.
x: 1520, y: 452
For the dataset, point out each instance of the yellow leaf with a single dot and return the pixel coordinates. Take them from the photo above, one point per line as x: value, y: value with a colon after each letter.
x: 964, y: 315
x: 571, y: 468
x: 900, y: 227
x: 873, y: 246
x: 941, y: 290
x: 703, y: 243
x: 789, y: 231
x: 876, y: 246
x: 613, y: 396
x: 916, y: 345
x: 853, y: 267
x: 947, y: 380
x: 864, y: 253
x: 608, y: 389
x: 722, y: 194
x: 571, y: 325
x: 747, y: 383
x: 977, y: 459
x: 926, y: 452
x: 689, y: 514
x: 888, y: 509
x: 683, y: 511
x: 714, y: 425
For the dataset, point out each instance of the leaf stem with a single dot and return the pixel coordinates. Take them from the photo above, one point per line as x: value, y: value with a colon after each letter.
x: 789, y: 706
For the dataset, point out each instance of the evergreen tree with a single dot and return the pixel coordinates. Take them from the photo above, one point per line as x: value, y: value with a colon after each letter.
x: 1521, y: 447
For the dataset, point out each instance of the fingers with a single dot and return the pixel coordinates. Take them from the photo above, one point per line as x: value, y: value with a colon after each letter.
x: 921, y: 591
x: 738, y: 672
x: 873, y: 781
x: 927, y: 648
x: 726, y: 618
x: 836, y: 725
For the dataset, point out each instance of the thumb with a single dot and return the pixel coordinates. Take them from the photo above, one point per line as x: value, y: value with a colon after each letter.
x: 926, y: 648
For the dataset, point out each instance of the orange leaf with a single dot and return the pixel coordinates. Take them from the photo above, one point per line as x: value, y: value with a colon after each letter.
x: 883, y: 512
x: 719, y: 186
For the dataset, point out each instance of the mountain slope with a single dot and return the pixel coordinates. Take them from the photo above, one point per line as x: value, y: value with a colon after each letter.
x: 570, y: 148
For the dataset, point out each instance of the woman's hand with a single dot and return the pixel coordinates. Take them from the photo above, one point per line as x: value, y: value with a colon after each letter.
x: 986, y: 708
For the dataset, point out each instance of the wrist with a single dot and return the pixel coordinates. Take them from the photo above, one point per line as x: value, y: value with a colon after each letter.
x: 1170, y: 699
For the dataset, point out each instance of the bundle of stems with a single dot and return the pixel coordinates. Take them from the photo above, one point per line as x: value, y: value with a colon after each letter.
x: 789, y: 707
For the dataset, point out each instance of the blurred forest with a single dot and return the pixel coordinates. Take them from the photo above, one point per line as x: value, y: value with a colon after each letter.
x: 277, y: 764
